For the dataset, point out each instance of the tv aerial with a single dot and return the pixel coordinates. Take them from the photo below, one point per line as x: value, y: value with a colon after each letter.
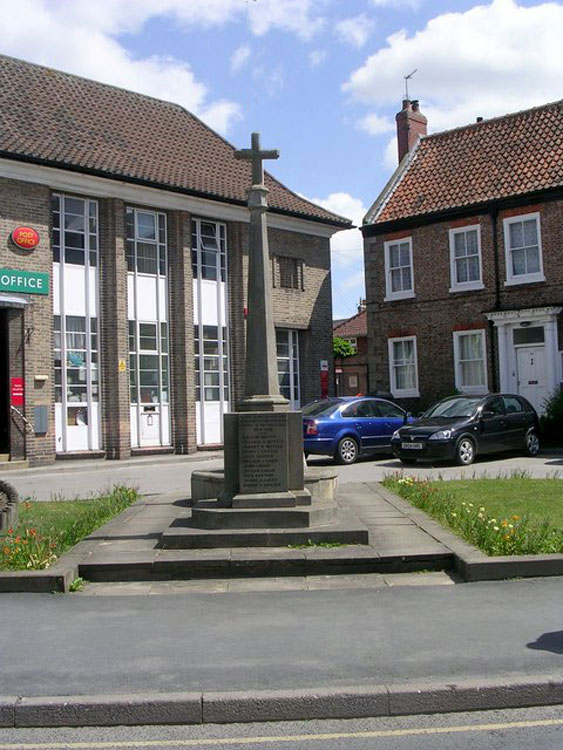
x: 407, y: 78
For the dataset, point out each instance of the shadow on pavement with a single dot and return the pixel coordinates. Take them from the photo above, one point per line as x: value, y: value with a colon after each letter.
x: 549, y: 642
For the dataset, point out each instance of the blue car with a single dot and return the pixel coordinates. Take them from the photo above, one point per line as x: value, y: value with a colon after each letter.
x: 349, y: 427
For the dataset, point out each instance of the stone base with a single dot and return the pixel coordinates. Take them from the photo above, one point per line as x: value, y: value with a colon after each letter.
x: 208, y: 485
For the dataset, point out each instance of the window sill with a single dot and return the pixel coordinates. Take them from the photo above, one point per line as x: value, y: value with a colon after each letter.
x: 518, y: 281
x: 473, y: 390
x: 468, y: 288
x: 398, y: 296
x: 412, y: 393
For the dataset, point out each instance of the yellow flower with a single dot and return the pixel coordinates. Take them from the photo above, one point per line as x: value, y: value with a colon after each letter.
x: 515, y: 518
x: 496, y: 528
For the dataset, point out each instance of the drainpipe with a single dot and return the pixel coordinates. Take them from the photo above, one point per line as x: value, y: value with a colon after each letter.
x: 492, y: 333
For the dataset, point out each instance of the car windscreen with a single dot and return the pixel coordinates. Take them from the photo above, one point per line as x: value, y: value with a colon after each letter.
x: 453, y: 408
x: 320, y: 408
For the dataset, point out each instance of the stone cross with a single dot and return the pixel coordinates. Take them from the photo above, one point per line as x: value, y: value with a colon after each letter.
x: 262, y: 391
x: 256, y: 156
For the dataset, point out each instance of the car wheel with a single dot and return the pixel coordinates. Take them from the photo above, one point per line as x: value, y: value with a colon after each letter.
x: 347, y: 451
x: 532, y: 443
x: 465, y: 452
x: 407, y: 461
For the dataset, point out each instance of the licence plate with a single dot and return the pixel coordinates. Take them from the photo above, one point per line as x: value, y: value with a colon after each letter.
x: 411, y: 446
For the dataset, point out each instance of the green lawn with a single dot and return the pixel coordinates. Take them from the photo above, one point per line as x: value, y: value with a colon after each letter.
x: 501, y: 516
x: 46, y: 530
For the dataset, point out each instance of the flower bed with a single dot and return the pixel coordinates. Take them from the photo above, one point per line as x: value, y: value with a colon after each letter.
x: 491, y: 522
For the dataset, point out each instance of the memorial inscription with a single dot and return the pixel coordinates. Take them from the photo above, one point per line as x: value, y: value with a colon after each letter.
x: 263, y: 453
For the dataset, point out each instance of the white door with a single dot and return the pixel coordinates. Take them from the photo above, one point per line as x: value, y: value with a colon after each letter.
x: 532, y: 380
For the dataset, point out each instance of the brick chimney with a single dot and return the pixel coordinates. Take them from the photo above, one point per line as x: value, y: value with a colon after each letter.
x: 411, y: 124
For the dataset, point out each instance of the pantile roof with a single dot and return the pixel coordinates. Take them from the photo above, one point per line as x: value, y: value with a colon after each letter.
x: 355, y: 326
x: 62, y: 120
x: 507, y: 156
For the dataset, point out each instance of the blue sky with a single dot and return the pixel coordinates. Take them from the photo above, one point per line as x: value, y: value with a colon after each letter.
x: 320, y: 79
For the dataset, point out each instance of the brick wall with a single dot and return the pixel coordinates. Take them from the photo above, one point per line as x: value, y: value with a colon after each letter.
x: 435, y: 312
x: 309, y: 310
x: 30, y: 331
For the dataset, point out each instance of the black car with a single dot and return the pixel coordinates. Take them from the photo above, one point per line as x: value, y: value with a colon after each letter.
x: 460, y: 427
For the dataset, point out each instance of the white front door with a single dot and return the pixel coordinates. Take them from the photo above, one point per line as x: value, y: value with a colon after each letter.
x: 532, y: 376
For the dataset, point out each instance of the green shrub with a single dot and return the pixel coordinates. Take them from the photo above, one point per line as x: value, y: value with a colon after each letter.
x: 552, y: 420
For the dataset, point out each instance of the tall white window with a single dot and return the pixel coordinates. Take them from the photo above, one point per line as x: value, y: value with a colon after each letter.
x: 470, y: 361
x: 287, y: 343
x: 75, y: 306
x: 147, y: 302
x: 522, y: 242
x: 211, y: 334
x: 403, y: 368
x: 465, y: 258
x: 399, y: 281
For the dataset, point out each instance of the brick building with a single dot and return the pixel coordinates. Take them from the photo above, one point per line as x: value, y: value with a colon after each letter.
x: 123, y: 328
x: 351, y: 373
x: 464, y: 259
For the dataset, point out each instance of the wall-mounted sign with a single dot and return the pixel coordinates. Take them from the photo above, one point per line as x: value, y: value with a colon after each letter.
x: 25, y: 237
x: 324, y: 365
x: 17, y: 392
x: 122, y: 365
x: 27, y: 282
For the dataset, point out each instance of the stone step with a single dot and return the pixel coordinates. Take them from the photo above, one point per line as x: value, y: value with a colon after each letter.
x: 176, y: 565
x: 211, y: 517
x: 342, y: 527
x: 7, y: 465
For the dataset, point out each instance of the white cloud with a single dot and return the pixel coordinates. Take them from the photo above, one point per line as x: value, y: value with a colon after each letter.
x: 297, y: 16
x: 375, y: 125
x: 354, y: 31
x: 240, y: 57
x: 317, y: 56
x: 487, y: 61
x: 347, y: 254
x: 83, y: 38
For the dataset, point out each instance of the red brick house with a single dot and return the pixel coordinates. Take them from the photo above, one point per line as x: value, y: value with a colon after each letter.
x: 351, y: 373
x: 122, y: 327
x: 464, y: 259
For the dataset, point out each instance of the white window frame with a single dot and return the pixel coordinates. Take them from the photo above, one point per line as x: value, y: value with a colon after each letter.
x: 523, y: 278
x: 470, y: 390
x: 404, y: 293
x: 402, y: 392
x: 462, y: 286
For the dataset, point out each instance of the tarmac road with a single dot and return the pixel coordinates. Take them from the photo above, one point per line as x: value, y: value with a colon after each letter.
x: 156, y: 474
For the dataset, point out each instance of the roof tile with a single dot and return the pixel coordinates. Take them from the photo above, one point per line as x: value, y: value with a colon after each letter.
x: 506, y: 156
x: 50, y: 116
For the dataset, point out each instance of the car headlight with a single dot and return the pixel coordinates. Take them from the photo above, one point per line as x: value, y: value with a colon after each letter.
x: 441, y: 435
x: 396, y: 435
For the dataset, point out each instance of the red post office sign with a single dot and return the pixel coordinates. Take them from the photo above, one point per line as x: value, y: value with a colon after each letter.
x: 25, y: 238
x: 17, y: 396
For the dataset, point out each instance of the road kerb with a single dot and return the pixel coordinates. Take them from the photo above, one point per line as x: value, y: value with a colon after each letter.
x: 280, y: 705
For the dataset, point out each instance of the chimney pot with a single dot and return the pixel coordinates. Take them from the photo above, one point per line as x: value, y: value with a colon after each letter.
x: 479, y: 119
x: 411, y: 124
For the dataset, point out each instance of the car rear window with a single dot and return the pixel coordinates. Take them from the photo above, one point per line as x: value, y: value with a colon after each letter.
x: 319, y: 408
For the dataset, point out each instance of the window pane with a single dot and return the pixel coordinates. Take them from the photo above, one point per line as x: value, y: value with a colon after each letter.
x: 518, y: 262
x: 146, y: 226
x: 515, y: 233
x: 529, y: 232
x: 532, y: 260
